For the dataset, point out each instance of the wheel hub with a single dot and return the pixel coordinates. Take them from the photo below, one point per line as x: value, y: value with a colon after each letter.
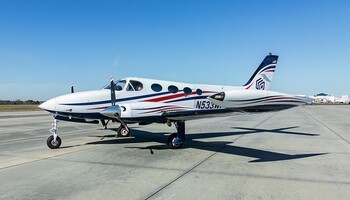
x: 124, y: 132
x: 177, y: 142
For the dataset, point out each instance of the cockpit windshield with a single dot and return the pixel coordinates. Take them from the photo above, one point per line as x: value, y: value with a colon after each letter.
x: 118, y: 86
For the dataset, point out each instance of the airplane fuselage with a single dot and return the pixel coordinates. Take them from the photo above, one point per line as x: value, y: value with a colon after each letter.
x: 146, y: 100
x: 151, y: 101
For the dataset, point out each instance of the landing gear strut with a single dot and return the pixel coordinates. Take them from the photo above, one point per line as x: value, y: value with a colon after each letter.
x: 104, y: 123
x: 123, y: 130
x: 54, y: 141
x: 176, y: 140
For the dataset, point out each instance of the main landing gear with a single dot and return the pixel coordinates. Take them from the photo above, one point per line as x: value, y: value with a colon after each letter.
x: 104, y: 123
x: 123, y: 130
x: 176, y: 140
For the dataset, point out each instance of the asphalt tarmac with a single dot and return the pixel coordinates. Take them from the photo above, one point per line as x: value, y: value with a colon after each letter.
x: 301, y: 153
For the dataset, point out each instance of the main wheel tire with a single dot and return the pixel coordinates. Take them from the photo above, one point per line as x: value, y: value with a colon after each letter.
x: 53, y: 145
x: 123, y: 132
x: 170, y: 144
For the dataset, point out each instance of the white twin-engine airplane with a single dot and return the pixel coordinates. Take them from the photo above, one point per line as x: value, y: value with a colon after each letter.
x: 145, y: 101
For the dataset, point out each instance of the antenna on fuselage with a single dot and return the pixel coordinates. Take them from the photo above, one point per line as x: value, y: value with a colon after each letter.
x: 72, y: 88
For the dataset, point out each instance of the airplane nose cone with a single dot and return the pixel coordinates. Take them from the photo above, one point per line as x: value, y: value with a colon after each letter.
x: 49, y: 105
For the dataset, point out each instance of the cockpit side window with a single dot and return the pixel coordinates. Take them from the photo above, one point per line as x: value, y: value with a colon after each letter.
x: 120, y: 85
x: 137, y: 86
x: 129, y: 87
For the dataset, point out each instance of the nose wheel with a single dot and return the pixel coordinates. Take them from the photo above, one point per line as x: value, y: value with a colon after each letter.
x: 52, y: 144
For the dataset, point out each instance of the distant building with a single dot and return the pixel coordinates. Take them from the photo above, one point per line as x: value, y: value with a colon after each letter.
x: 342, y: 99
x: 326, y: 98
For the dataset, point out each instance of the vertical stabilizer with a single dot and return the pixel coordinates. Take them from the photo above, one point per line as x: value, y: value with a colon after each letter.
x: 261, y: 79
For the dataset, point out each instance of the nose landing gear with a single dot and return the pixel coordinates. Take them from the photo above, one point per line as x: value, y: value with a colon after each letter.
x: 54, y: 141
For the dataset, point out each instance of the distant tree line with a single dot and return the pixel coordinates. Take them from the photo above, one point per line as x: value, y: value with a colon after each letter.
x: 19, y: 102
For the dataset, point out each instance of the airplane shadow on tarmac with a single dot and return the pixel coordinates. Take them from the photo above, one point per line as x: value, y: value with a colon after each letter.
x: 140, y: 136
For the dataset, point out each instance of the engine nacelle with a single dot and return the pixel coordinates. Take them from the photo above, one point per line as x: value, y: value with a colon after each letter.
x: 112, y: 112
x: 253, y: 98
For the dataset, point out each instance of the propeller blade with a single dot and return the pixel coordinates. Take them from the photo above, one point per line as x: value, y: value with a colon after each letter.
x: 72, y: 88
x: 112, y: 92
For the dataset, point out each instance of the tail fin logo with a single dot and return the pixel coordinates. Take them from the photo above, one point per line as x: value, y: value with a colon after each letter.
x: 263, y: 74
x: 265, y: 77
x: 260, y: 84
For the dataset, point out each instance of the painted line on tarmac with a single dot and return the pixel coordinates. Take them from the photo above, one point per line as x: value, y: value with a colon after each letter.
x: 41, y: 136
x: 22, y: 123
x: 48, y: 157
x: 317, y: 120
x: 22, y: 116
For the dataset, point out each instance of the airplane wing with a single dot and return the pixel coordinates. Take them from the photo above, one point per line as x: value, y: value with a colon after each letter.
x: 185, y: 115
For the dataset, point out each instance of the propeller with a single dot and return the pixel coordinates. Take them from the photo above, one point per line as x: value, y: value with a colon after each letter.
x: 112, y: 92
x: 114, y: 110
x: 72, y: 88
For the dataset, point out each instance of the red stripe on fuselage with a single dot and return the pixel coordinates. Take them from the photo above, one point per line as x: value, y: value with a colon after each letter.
x: 167, y: 108
x: 249, y: 86
x: 173, y: 96
x: 166, y: 97
x: 99, y: 108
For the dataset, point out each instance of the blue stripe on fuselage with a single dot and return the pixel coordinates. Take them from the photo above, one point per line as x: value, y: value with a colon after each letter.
x: 135, y: 98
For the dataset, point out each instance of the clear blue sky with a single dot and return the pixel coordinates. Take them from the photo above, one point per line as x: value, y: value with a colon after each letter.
x: 45, y: 45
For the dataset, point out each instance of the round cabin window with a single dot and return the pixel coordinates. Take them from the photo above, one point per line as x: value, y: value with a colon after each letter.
x: 173, y: 89
x: 199, y: 91
x: 187, y: 90
x: 156, y: 87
